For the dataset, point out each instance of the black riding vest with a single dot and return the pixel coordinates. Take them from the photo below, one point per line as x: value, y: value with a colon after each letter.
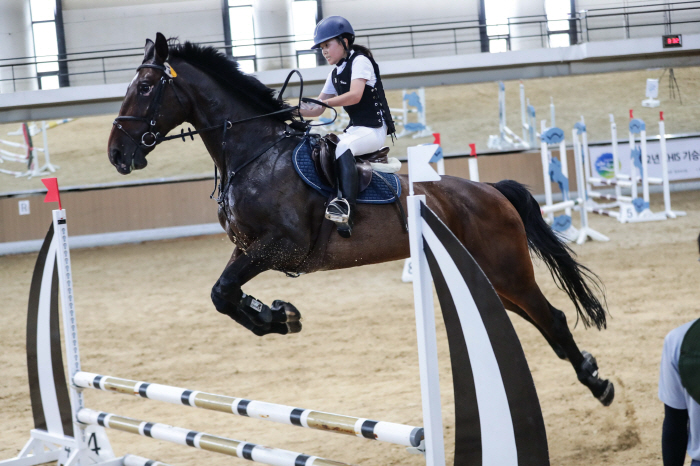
x: 372, y: 107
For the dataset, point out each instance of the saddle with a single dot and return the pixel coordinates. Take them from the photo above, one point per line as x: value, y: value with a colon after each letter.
x: 323, y: 156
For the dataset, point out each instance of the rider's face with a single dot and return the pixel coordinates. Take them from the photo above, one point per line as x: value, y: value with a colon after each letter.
x: 333, y: 51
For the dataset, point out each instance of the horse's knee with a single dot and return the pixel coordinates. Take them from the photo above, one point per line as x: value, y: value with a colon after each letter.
x: 227, y: 291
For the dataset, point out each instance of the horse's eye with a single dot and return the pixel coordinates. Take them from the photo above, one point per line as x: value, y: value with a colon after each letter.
x: 144, y: 88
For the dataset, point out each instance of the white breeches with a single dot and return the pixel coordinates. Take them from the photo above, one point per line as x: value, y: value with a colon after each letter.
x: 361, y: 140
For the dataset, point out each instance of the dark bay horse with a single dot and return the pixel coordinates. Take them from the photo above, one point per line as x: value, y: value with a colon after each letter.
x: 276, y: 221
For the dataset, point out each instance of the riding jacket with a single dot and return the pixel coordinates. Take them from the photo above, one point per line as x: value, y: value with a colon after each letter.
x: 372, y: 110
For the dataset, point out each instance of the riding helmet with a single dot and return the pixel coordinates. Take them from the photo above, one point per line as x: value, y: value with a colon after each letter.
x: 331, y: 27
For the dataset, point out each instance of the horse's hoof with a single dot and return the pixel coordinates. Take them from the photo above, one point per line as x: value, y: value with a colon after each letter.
x: 294, y: 327
x: 608, y: 394
x: 285, y: 312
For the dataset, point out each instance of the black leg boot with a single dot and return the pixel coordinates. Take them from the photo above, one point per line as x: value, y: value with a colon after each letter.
x: 341, y: 210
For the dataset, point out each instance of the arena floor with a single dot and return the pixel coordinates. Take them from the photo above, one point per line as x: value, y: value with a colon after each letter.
x: 145, y: 314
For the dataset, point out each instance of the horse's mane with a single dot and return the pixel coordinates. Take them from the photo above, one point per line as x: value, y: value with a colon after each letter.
x: 226, y: 71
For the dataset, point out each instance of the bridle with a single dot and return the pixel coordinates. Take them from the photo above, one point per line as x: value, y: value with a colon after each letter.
x: 153, y: 108
x: 155, y: 137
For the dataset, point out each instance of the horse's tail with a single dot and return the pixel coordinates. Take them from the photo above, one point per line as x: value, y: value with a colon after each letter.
x: 576, y: 280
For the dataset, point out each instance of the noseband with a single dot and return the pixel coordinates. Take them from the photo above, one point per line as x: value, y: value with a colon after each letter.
x: 154, y: 137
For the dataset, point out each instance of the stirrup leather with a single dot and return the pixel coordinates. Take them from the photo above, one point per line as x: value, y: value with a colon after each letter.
x: 338, y: 210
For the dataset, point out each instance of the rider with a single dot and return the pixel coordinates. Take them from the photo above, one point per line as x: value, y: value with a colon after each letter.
x: 354, y: 83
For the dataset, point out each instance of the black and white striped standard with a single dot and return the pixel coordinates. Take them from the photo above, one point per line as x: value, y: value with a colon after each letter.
x: 409, y: 436
x: 191, y: 438
x: 498, y: 420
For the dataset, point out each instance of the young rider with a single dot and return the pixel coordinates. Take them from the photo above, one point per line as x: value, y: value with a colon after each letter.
x: 356, y: 85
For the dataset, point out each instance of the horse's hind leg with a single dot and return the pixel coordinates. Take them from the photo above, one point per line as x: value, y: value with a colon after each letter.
x: 229, y: 299
x: 511, y: 306
x: 552, y: 323
x: 512, y: 275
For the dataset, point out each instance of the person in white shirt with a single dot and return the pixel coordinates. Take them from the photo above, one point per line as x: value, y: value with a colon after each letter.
x: 679, y: 389
x: 355, y: 84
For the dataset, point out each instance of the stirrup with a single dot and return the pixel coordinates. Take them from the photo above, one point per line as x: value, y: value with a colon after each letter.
x: 338, y: 211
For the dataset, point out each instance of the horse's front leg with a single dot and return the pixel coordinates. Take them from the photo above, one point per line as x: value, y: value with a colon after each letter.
x: 229, y: 298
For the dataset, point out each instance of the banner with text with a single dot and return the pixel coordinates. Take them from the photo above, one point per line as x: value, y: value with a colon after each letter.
x: 683, y: 159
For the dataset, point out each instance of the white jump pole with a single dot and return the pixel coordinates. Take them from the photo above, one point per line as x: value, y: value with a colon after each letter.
x: 585, y: 231
x: 565, y: 171
x: 616, y: 158
x: 523, y: 115
x: 425, y: 313
x: 48, y: 167
x: 70, y: 331
x: 638, y: 210
x: 502, y: 110
x: 590, y: 181
x: 544, y: 153
x: 398, y: 434
x: 633, y: 168
x: 473, y: 164
x: 203, y: 441
x: 664, y: 167
x: 645, y: 166
x: 552, y: 114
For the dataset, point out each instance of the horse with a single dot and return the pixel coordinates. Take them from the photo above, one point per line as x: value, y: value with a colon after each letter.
x: 276, y: 221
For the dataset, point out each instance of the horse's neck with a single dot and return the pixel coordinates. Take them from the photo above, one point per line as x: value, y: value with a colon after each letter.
x: 214, y: 106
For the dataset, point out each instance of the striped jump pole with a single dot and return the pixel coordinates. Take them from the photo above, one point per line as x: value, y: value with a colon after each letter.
x: 408, y: 436
x: 191, y: 438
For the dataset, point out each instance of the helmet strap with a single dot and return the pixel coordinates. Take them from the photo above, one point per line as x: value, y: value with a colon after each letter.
x: 347, y: 52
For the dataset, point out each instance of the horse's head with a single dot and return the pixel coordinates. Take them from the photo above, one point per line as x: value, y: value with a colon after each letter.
x: 151, y: 108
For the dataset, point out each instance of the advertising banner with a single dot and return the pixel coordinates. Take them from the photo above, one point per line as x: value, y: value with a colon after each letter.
x: 683, y: 159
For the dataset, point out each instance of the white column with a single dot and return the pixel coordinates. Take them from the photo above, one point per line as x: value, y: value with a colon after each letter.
x: 274, y: 18
x: 16, y: 33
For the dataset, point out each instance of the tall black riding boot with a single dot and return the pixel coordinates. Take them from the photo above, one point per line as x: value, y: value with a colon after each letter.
x: 341, y: 210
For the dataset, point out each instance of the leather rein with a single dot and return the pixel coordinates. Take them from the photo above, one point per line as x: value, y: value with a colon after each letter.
x: 150, y: 137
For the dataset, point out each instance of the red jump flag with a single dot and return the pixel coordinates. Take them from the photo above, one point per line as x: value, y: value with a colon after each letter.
x: 473, y: 149
x: 53, y: 195
x: 436, y: 139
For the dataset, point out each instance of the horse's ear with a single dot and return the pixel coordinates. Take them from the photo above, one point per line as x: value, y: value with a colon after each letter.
x: 148, y: 51
x: 161, y: 48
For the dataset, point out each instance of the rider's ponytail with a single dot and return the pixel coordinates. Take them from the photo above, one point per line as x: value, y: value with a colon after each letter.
x: 356, y: 47
x: 362, y: 49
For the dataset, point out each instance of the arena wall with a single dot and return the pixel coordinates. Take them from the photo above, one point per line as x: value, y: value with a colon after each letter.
x: 104, y: 25
x: 162, y: 205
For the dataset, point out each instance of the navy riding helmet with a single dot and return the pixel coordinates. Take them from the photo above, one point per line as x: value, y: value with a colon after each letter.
x: 331, y: 27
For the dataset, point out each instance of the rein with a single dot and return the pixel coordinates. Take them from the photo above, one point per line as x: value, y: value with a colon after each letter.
x: 156, y: 138
x: 152, y: 138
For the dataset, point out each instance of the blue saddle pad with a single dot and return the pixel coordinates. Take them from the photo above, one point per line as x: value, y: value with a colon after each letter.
x: 378, y: 192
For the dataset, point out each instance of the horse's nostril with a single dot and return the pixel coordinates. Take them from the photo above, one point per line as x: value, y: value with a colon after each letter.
x: 116, y: 155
